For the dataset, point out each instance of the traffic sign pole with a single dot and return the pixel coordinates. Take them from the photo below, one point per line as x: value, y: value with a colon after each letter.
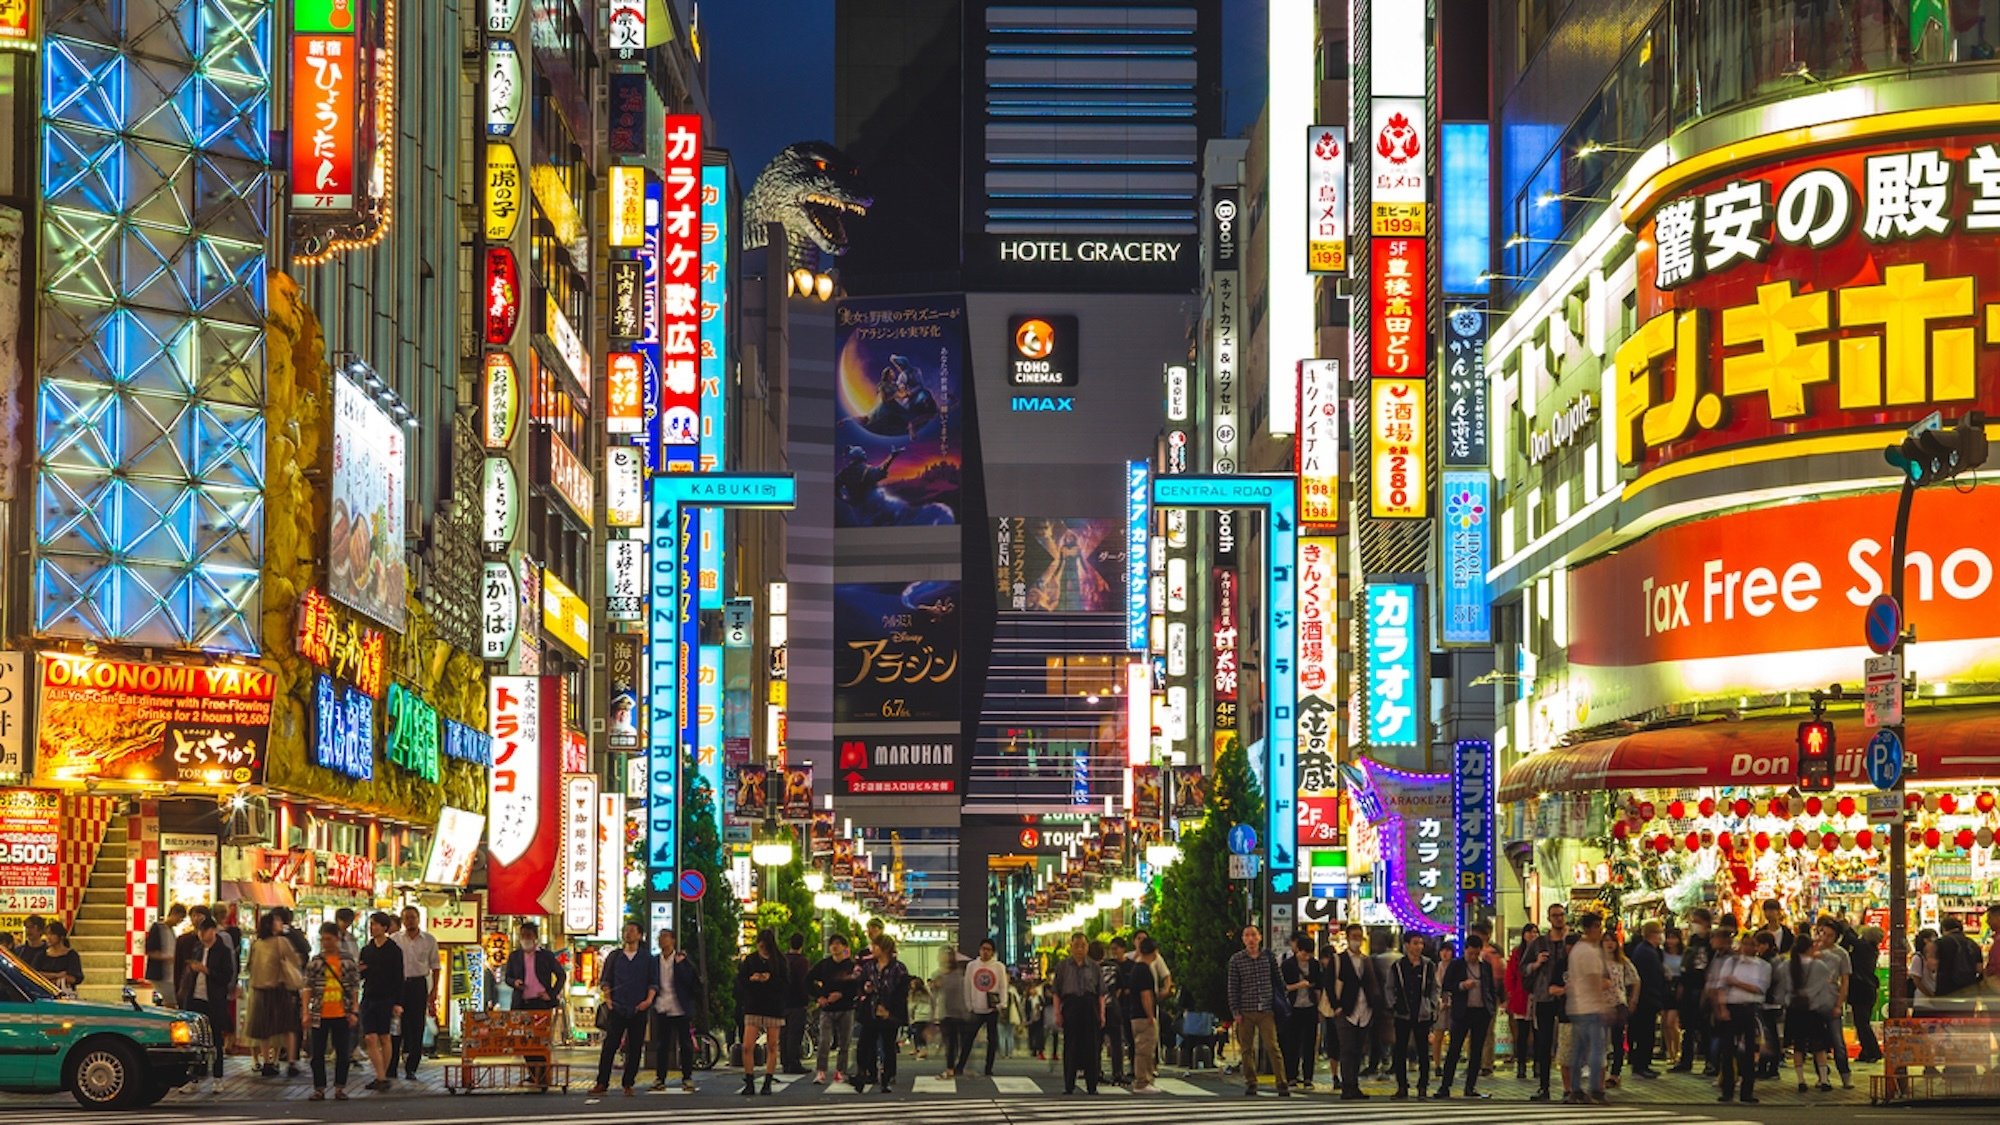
x: 1899, y: 845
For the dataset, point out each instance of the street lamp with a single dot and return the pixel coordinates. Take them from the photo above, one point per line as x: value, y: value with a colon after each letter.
x: 773, y: 847
x: 815, y: 882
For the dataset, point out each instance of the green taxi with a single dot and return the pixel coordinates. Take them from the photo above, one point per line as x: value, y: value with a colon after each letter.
x: 108, y: 1056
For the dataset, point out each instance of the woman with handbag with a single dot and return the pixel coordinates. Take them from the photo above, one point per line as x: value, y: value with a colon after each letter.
x: 276, y: 981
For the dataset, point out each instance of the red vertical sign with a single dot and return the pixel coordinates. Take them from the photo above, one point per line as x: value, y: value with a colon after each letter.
x: 1399, y: 308
x: 680, y: 292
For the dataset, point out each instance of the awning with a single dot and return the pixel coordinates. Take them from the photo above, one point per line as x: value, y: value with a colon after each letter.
x: 256, y: 891
x: 1950, y: 743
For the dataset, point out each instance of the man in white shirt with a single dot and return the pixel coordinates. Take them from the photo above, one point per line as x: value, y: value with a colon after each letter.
x: 1587, y: 993
x: 985, y: 998
x: 1357, y: 997
x: 673, y: 1012
x: 420, y: 989
x: 1738, y: 984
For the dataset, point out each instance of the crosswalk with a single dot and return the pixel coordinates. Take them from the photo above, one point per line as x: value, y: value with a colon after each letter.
x: 947, y: 1103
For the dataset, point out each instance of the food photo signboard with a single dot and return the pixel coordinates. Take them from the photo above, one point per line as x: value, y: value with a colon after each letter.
x: 365, y: 564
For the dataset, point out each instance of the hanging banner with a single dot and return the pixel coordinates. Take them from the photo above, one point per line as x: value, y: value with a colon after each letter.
x: 1474, y: 783
x: 1138, y: 535
x: 579, y: 849
x: 1326, y: 195
x: 753, y: 793
x: 680, y: 291
x: 1319, y: 654
x: 1399, y: 308
x: 504, y: 192
x: 522, y: 797
x: 1399, y: 486
x: 898, y: 438
x: 1466, y: 611
x: 1394, y: 635
x: 1399, y: 187
x: 1464, y: 424
x: 1317, y: 449
x: 504, y: 89
x: 798, y: 800
x: 1190, y: 792
x: 327, y: 74
x: 1414, y: 822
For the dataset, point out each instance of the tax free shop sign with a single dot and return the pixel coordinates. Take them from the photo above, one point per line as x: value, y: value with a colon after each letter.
x: 1697, y: 610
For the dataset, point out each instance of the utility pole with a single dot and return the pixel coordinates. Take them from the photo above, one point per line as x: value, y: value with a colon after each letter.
x: 1929, y: 455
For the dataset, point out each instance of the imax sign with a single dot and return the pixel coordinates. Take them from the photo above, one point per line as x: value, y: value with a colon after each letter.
x: 1044, y: 404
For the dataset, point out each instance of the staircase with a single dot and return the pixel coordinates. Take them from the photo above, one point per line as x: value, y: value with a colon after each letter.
x: 99, y: 933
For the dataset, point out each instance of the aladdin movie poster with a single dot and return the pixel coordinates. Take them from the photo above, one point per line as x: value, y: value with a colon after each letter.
x: 899, y: 424
x: 895, y: 652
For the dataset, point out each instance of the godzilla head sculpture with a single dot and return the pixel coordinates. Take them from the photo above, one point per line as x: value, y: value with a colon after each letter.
x: 813, y: 189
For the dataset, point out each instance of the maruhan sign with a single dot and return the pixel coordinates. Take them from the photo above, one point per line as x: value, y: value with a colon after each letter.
x: 1084, y: 250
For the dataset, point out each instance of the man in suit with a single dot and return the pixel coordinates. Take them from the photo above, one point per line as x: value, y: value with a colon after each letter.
x: 1357, y: 1003
x: 208, y: 980
x: 1474, y: 992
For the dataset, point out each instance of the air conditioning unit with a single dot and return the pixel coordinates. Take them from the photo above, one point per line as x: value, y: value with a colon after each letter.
x: 249, y: 824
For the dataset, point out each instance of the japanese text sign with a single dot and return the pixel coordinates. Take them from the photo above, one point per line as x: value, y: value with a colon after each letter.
x: 1394, y: 662
x: 1399, y: 485
x: 1399, y: 308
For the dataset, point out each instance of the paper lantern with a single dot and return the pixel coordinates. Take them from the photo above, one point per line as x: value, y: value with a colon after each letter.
x: 1677, y: 808
x: 1778, y: 806
x: 1619, y: 829
x: 1984, y: 802
x: 1741, y: 807
x: 1829, y: 841
x: 1865, y: 840
x: 1662, y: 843
x: 1965, y: 838
x: 1984, y: 836
x: 1693, y: 841
x: 1707, y: 806
x: 1725, y: 841
x: 1762, y: 840
x: 1847, y: 841
x: 1797, y: 838
x: 1846, y: 806
x: 1814, y: 805
x: 1646, y: 812
x: 1947, y: 802
x: 1931, y: 802
x: 1932, y: 837
x: 1779, y: 844
x: 1912, y: 800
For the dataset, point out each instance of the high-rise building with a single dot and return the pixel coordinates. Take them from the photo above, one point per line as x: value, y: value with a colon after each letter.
x: 1044, y: 161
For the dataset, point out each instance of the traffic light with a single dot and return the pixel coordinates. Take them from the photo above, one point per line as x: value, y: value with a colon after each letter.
x: 1816, y: 750
x: 1933, y: 455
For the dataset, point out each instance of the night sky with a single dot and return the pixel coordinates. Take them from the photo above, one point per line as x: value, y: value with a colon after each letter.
x: 771, y: 73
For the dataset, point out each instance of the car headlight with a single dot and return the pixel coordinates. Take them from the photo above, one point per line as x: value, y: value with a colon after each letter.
x: 181, y: 1032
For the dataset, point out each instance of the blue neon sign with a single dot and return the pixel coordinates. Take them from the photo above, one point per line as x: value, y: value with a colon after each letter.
x: 1138, y: 537
x: 1392, y: 664
x: 1467, y: 609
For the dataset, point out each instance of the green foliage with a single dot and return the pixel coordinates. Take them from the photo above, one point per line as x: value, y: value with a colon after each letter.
x: 786, y: 906
x: 1196, y: 909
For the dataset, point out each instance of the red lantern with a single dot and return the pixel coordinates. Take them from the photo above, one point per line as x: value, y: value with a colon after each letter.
x: 1725, y: 841
x: 1677, y: 808
x: 1796, y: 838
x: 1646, y: 811
x: 1932, y: 837
x: 1846, y: 806
x: 1947, y: 802
x: 1984, y: 802
x: 1912, y: 800
x: 1814, y: 805
x: 1662, y: 844
x: 1707, y: 806
x: 1965, y: 837
x: 1742, y: 806
x: 1780, y: 807
x: 1830, y: 841
x: 1865, y: 840
x: 1619, y: 829
x: 1762, y: 840
x: 1693, y: 841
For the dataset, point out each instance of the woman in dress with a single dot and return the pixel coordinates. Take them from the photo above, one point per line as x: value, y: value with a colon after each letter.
x: 1674, y: 948
x: 274, y: 1011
